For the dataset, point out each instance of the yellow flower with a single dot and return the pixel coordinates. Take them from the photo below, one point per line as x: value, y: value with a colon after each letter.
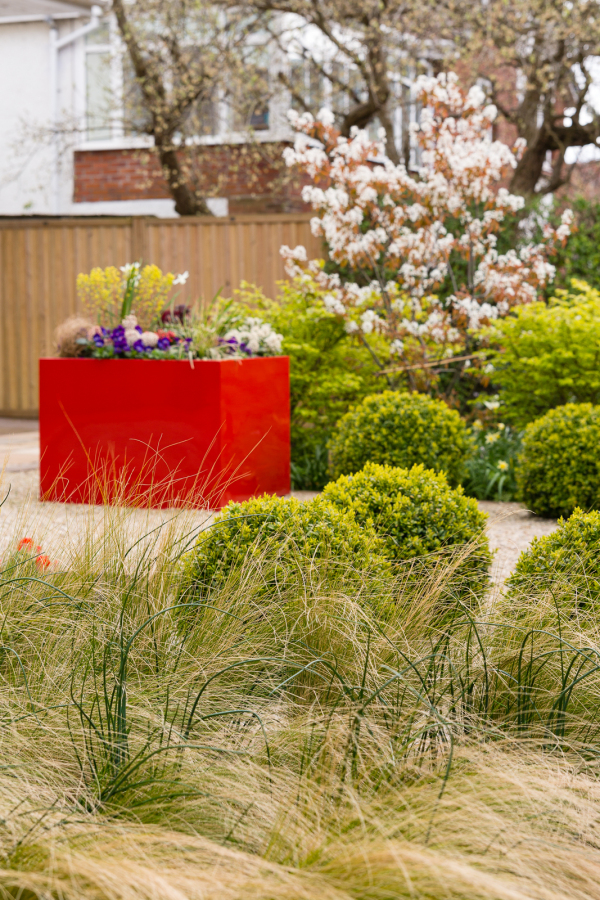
x: 491, y: 438
x: 503, y: 466
x: 101, y: 294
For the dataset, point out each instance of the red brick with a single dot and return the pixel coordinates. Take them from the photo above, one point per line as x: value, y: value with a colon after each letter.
x: 253, y: 177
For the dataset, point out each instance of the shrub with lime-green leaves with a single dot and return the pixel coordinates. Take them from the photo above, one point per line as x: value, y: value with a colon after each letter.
x: 417, y: 513
x: 547, y: 356
x: 400, y: 429
x: 558, y: 467
x: 329, y: 371
x: 282, y: 537
x: 564, y: 565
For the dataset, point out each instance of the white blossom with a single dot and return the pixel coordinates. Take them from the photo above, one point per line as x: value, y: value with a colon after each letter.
x: 407, y: 216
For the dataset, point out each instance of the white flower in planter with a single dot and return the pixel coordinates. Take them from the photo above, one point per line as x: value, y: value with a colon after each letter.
x: 254, y: 337
x: 182, y: 278
x: 149, y: 338
x: 274, y: 341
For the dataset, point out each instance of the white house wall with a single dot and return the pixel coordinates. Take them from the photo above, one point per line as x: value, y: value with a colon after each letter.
x: 27, y: 156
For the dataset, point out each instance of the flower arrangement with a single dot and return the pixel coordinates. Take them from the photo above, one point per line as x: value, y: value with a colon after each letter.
x: 106, y: 295
x: 129, y: 339
x: 125, y: 318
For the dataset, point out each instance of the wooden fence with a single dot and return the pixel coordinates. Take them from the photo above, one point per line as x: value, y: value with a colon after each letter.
x: 41, y: 258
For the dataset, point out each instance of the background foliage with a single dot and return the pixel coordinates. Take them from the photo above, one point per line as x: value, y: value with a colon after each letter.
x: 329, y: 371
x: 547, y: 356
x: 491, y: 471
x: 580, y: 257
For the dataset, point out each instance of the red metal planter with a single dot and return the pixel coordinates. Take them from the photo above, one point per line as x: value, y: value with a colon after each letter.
x: 161, y: 433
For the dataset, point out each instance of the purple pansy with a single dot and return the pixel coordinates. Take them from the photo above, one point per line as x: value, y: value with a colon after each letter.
x: 119, y: 340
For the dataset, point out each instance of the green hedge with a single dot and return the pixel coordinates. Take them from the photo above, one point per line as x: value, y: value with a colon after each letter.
x: 565, y: 563
x: 401, y: 429
x: 281, y: 536
x: 559, y: 464
x: 417, y: 513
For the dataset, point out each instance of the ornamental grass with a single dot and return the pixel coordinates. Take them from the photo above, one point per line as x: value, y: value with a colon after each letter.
x: 289, y: 744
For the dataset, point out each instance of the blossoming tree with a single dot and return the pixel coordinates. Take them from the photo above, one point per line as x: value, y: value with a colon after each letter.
x: 395, y: 237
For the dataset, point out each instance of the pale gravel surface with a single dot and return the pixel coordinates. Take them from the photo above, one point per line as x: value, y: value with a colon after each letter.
x: 59, y: 527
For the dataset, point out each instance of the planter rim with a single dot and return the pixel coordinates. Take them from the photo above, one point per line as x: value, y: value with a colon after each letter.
x: 186, y: 361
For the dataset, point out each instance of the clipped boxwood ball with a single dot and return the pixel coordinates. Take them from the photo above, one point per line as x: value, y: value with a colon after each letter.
x: 416, y: 513
x: 559, y: 464
x: 281, y: 534
x: 566, y: 562
x: 400, y: 429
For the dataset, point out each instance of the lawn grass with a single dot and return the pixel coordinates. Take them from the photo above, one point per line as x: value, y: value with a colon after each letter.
x: 298, y: 743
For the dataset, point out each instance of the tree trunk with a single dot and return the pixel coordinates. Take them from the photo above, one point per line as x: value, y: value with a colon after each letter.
x: 529, y: 168
x: 187, y: 203
x: 390, y: 140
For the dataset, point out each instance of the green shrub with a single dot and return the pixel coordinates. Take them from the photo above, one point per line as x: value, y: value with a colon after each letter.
x: 548, y: 355
x: 284, y: 536
x: 559, y: 465
x: 565, y: 563
x: 416, y: 513
x: 400, y: 429
x: 329, y: 371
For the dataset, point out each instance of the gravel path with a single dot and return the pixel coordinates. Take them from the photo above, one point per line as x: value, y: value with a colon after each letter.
x: 59, y: 527
x: 511, y: 528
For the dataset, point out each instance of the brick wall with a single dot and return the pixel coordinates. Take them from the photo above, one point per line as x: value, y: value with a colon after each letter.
x: 117, y: 175
x: 253, y: 177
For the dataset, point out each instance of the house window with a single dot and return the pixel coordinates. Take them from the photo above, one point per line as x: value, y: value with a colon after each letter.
x: 250, y: 107
x: 115, y: 107
x: 99, y: 84
x: 259, y: 117
x: 204, y: 120
x: 134, y: 115
x: 345, y: 87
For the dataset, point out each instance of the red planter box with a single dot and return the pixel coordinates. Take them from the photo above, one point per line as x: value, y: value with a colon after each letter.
x: 161, y: 433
